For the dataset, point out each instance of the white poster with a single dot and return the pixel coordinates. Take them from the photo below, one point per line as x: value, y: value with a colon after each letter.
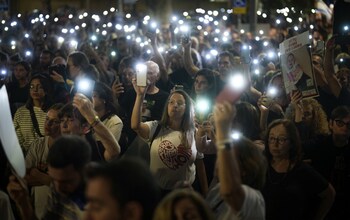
x: 296, y: 65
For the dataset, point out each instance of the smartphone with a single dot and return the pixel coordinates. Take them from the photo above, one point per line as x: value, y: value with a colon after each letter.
x: 319, y: 46
x: 228, y: 94
x: 86, y: 87
x: 141, y: 75
x: 58, y: 68
x: 245, y: 54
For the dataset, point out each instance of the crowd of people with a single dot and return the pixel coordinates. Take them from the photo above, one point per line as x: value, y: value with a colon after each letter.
x: 99, y: 145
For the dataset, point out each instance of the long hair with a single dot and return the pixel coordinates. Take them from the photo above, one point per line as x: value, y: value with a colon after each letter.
x: 187, y: 122
x: 247, y: 117
x: 165, y: 209
x: 319, y: 125
x: 295, y: 151
x: 48, y: 88
x: 252, y: 162
x: 105, y: 93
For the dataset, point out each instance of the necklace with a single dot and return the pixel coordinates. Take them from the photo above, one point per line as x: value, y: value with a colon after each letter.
x: 270, y: 178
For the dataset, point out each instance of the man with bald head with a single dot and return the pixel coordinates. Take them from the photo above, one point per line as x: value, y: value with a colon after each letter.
x: 153, y: 103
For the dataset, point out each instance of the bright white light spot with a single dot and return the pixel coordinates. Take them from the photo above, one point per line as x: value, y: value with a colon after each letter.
x: 60, y: 40
x: 237, y: 82
x: 128, y: 15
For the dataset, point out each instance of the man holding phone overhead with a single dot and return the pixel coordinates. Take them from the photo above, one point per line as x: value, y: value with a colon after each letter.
x: 155, y: 98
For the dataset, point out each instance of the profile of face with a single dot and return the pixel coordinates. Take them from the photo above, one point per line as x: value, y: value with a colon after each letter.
x: 70, y: 125
x: 340, y: 126
x: 185, y: 209
x: 73, y: 71
x: 20, y: 72
x: 290, y: 61
x: 201, y: 85
x: 100, y: 203
x: 36, y: 90
x: 52, y: 123
x: 176, y: 106
x: 278, y: 142
x: 66, y: 180
x: 97, y: 102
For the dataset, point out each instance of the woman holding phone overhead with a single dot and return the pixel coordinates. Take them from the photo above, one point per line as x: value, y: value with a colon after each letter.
x: 171, y: 140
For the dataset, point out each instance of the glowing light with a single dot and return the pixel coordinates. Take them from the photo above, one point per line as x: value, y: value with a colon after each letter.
x: 185, y: 14
x: 64, y: 30
x: 113, y: 54
x: 128, y: 15
x: 60, y: 40
x: 237, y: 82
x: 105, y: 13
x: 26, y: 35
x: 261, y: 32
x: 70, y: 16
x: 112, y: 9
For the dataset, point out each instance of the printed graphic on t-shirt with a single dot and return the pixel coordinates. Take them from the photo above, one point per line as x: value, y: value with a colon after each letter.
x: 173, y: 157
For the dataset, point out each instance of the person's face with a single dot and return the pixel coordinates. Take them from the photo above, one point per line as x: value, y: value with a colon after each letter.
x: 70, y: 125
x: 152, y: 76
x: 308, y: 114
x: 278, y: 142
x: 100, y: 204
x: 52, y: 123
x: 36, y: 90
x: 343, y: 76
x: 224, y: 64
x: 128, y: 75
x: 290, y: 61
x: 176, y: 106
x: 184, y: 209
x: 45, y: 59
x: 66, y: 180
x: 73, y: 70
x: 201, y: 85
x: 317, y: 61
x: 20, y: 72
x: 340, y: 126
x: 97, y: 102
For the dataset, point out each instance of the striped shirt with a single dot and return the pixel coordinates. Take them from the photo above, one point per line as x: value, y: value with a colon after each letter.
x: 24, y: 126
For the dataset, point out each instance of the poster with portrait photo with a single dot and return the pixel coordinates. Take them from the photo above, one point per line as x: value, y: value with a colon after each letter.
x: 296, y: 65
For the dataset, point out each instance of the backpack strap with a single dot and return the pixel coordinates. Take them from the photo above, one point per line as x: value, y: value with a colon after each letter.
x: 159, y: 126
x: 35, y: 121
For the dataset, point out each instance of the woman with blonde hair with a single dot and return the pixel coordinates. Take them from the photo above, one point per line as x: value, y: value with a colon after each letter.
x: 183, y: 204
x: 308, y: 115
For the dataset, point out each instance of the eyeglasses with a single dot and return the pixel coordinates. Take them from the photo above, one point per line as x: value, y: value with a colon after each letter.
x: 341, y: 123
x: 172, y: 102
x: 279, y: 140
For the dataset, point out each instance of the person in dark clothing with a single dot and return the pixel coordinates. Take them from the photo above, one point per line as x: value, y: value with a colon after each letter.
x: 330, y: 156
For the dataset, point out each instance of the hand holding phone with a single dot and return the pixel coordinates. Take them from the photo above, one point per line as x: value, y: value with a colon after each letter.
x: 141, y: 75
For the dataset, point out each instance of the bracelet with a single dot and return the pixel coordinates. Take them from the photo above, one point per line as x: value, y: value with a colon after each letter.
x: 96, y: 121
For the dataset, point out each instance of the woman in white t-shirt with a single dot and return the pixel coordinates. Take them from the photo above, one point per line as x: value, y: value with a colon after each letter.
x: 172, y: 145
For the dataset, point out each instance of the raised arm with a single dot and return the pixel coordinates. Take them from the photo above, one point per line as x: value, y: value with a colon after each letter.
x: 85, y: 107
x: 228, y: 170
x: 158, y: 58
x: 333, y: 83
x: 187, y: 59
x: 136, y: 123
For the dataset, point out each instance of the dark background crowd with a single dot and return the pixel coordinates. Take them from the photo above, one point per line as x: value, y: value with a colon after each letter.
x: 99, y: 144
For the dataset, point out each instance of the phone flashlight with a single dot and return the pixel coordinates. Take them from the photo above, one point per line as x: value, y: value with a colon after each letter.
x: 85, y: 86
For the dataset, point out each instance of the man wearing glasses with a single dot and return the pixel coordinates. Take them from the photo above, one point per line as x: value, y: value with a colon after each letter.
x: 330, y: 156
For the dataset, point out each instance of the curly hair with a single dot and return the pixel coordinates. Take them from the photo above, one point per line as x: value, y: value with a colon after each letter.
x: 320, y: 123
